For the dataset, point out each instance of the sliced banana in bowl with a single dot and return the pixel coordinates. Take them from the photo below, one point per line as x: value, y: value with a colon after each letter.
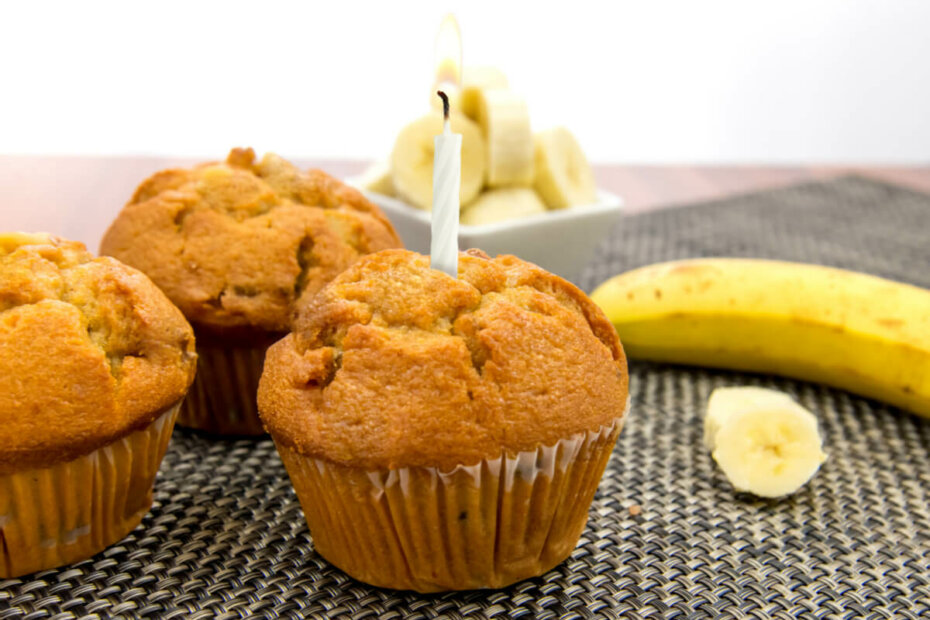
x: 476, y: 80
x: 505, y: 122
x: 412, y: 159
x: 503, y: 204
x: 559, y: 241
x: 516, y: 187
x: 563, y: 174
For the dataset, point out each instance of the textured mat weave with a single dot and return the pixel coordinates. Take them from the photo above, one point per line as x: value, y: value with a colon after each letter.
x: 226, y: 537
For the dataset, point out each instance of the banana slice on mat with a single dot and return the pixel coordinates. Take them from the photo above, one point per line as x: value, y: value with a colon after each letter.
x: 726, y: 401
x: 474, y: 81
x: 377, y: 178
x: 765, y: 442
x: 505, y: 121
x: 412, y: 159
x: 502, y: 204
x: 563, y: 175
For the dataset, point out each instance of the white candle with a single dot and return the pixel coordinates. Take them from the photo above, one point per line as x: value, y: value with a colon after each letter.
x: 447, y: 176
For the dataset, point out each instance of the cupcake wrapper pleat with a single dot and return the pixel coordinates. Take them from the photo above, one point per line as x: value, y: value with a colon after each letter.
x: 69, y: 511
x: 480, y: 526
x: 222, y: 399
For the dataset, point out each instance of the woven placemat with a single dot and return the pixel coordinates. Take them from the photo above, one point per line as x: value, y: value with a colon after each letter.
x: 226, y: 537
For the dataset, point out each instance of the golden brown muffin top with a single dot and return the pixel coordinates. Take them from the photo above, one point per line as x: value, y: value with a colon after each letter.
x: 90, y: 350
x: 236, y: 244
x: 395, y: 364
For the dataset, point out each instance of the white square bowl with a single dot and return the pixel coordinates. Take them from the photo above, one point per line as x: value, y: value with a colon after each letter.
x: 560, y: 241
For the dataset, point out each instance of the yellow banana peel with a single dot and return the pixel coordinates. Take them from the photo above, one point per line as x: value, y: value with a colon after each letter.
x: 861, y: 333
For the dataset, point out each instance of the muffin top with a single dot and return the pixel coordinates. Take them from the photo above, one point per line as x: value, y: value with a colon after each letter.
x: 90, y: 350
x: 396, y: 365
x: 235, y: 244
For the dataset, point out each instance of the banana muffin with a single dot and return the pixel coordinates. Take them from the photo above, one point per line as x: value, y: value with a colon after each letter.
x: 445, y: 433
x: 94, y: 362
x: 235, y: 245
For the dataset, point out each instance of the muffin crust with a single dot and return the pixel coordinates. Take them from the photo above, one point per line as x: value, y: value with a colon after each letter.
x: 236, y: 244
x: 90, y: 350
x: 398, y: 365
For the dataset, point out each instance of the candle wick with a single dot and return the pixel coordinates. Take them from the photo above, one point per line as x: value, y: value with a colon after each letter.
x: 445, y: 109
x: 445, y: 103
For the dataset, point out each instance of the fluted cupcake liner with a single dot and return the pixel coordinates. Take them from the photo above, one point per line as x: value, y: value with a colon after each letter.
x: 481, y: 526
x: 222, y: 399
x: 69, y: 511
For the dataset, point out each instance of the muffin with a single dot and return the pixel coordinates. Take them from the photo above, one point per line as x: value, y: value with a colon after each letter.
x: 440, y: 433
x: 94, y: 362
x: 235, y: 245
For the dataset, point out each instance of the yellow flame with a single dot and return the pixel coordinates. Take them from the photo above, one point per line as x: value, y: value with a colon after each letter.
x: 449, y: 52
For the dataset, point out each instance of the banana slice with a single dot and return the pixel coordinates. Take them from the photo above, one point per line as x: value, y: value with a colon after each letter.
x: 412, y: 159
x: 502, y: 204
x: 505, y: 121
x: 474, y: 81
x: 377, y: 179
x: 563, y: 175
x: 765, y: 445
x: 726, y: 401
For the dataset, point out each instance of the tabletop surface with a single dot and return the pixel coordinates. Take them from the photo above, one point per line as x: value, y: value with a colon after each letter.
x: 226, y: 537
x: 77, y: 197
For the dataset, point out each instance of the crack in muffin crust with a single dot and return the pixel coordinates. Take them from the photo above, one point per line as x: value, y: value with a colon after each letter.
x: 239, y: 243
x: 89, y: 348
x: 431, y: 366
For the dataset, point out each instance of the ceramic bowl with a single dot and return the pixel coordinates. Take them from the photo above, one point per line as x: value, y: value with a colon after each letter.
x: 561, y: 241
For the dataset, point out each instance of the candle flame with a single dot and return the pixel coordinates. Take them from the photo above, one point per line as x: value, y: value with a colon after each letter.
x: 449, y: 53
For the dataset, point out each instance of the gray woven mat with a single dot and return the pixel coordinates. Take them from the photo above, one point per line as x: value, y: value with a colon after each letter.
x: 226, y: 537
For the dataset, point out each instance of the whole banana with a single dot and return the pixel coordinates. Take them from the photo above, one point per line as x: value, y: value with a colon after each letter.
x: 858, y: 332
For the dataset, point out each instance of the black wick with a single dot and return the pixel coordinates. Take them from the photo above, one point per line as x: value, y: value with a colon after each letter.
x: 445, y: 104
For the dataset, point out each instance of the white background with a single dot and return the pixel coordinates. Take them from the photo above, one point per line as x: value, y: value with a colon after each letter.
x: 703, y: 81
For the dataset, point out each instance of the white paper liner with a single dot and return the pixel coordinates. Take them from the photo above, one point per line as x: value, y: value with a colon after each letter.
x: 69, y: 511
x: 485, y: 525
